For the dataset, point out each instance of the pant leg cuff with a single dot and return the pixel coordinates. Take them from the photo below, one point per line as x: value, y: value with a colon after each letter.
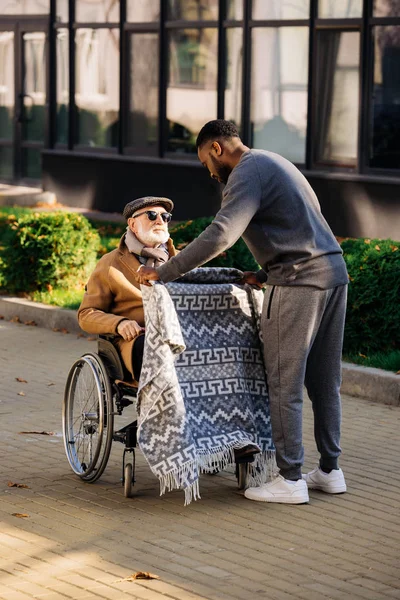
x: 329, y: 463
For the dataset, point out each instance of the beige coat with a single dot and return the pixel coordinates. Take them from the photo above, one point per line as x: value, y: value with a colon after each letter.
x: 112, y: 295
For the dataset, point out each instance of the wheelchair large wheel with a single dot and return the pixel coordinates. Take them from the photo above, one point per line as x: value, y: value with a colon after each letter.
x: 88, y: 417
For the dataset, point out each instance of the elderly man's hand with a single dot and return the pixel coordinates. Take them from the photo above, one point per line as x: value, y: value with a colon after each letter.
x: 250, y: 278
x: 129, y: 329
x: 146, y: 274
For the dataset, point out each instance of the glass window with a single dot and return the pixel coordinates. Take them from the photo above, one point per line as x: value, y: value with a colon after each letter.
x: 233, y: 91
x: 142, y: 11
x: 279, y: 90
x: 34, y: 85
x: 62, y: 86
x: 386, y: 8
x: 6, y: 85
x: 24, y: 7
x: 385, y: 146
x: 192, y: 86
x: 97, y: 87
x: 97, y: 11
x: 338, y: 97
x: 281, y: 9
x: 340, y: 9
x: 234, y: 10
x: 193, y: 10
x: 62, y: 14
x: 142, y: 129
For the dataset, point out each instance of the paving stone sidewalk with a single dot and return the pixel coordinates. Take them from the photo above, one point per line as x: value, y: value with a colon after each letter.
x: 79, y: 541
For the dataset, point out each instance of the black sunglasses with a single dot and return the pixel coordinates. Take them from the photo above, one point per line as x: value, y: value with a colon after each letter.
x: 153, y: 214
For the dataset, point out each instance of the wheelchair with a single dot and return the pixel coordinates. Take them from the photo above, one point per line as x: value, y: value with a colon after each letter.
x: 98, y: 389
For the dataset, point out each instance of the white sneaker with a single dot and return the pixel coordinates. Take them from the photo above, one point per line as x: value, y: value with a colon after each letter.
x: 280, y: 490
x: 331, y: 483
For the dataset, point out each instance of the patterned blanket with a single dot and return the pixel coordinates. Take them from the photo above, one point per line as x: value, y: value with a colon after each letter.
x: 202, y: 389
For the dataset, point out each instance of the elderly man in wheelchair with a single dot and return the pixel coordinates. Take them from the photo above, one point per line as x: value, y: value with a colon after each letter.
x: 100, y: 385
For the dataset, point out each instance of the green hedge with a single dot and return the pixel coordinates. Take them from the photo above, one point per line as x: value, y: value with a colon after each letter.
x: 44, y: 250
x: 373, y: 307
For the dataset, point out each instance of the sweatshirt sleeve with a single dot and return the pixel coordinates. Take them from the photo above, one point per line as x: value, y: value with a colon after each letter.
x: 241, y: 200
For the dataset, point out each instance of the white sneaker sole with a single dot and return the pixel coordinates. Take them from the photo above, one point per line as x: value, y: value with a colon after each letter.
x: 337, y: 489
x: 280, y: 499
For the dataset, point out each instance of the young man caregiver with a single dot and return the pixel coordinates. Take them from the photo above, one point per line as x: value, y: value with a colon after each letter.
x: 268, y: 202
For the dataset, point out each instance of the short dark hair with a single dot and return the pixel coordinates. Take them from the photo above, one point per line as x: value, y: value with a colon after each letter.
x: 219, y: 128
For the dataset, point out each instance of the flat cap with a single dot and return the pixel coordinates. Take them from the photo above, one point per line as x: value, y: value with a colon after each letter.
x: 135, y: 205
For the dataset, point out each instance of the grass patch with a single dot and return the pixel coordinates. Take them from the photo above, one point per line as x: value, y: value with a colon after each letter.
x: 62, y: 298
x: 379, y: 360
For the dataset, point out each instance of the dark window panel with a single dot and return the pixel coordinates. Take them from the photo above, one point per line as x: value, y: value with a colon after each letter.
x: 142, y: 125
x: 32, y: 163
x: 385, y: 109
x: 337, y: 98
x: 6, y: 162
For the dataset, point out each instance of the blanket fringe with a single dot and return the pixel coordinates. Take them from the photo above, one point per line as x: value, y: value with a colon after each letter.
x: 187, y: 477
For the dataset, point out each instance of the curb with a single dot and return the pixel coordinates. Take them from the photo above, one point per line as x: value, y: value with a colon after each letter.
x: 357, y: 381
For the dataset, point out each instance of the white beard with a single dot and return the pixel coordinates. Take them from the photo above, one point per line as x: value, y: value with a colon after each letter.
x: 151, y: 237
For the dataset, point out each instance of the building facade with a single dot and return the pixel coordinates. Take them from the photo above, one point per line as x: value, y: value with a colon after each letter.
x: 102, y: 100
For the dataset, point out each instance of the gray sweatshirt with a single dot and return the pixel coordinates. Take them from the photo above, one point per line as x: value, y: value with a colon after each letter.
x: 272, y: 206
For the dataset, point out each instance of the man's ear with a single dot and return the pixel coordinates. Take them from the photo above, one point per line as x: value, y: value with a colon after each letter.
x: 131, y: 223
x: 216, y: 146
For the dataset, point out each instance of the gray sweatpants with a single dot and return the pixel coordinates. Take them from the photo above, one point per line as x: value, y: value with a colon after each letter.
x: 302, y: 329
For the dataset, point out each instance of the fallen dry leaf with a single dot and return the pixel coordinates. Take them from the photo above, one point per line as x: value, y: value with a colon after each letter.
x: 91, y: 339
x: 18, y: 485
x: 37, y: 432
x: 20, y: 515
x: 21, y: 380
x: 63, y: 330
x: 49, y: 384
x: 21, y: 394
x: 80, y: 335
x: 15, y: 319
x: 56, y: 329
x: 1, y: 317
x: 33, y: 323
x: 139, y: 575
x: 398, y: 373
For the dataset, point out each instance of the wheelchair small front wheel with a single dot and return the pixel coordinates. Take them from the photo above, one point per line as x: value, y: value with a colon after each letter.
x: 128, y: 474
x: 88, y: 417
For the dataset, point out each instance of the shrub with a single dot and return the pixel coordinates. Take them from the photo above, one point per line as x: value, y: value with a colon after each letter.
x: 373, y: 309
x: 238, y: 256
x: 43, y: 250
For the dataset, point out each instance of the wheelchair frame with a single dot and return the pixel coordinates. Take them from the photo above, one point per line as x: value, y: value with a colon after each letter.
x: 97, y: 390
